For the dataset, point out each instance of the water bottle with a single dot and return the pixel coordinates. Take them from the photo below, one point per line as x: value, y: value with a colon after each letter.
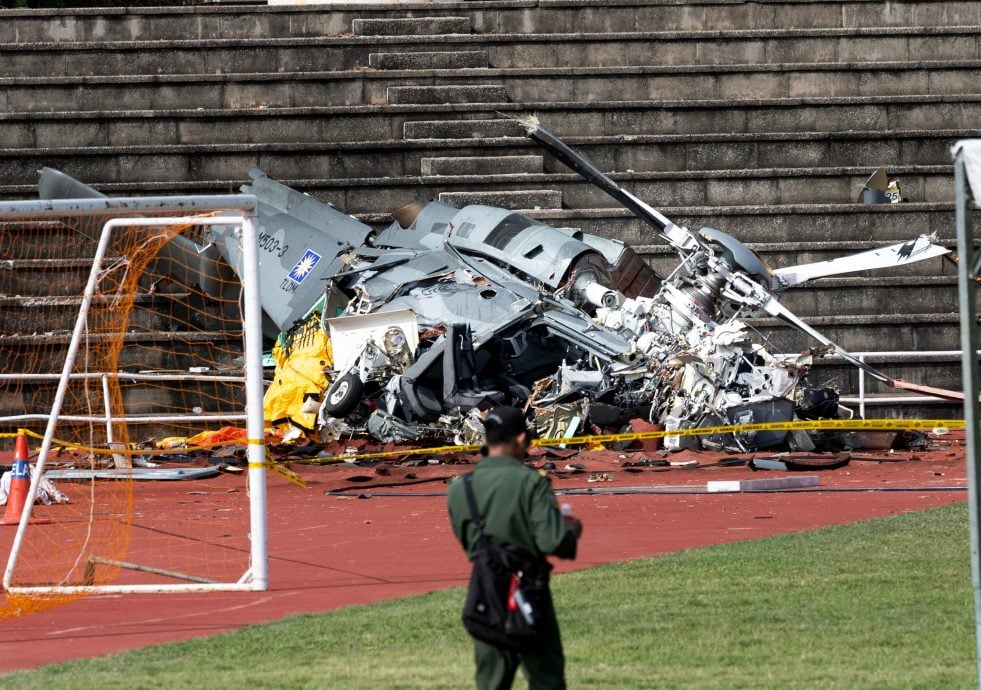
x: 524, y: 606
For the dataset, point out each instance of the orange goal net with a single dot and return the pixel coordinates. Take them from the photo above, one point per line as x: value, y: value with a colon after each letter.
x: 130, y: 336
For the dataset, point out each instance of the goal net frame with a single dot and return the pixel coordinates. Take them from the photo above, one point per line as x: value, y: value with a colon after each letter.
x: 239, y: 211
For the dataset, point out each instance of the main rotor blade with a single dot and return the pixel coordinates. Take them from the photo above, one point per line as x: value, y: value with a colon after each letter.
x: 558, y: 148
x: 945, y: 393
x: 774, y: 308
x: 885, y: 257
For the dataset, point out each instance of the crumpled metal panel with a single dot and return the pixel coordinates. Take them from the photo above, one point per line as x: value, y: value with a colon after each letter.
x: 539, y: 251
x: 450, y: 302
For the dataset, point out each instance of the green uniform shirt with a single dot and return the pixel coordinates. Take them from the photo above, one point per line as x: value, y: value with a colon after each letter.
x: 518, y: 508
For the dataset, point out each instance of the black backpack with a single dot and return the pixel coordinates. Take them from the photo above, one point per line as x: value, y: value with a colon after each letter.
x: 508, y: 599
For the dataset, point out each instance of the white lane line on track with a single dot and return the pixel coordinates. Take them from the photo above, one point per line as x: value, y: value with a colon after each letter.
x: 209, y: 612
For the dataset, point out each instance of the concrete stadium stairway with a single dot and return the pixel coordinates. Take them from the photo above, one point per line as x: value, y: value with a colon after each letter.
x: 761, y: 119
x: 45, y: 268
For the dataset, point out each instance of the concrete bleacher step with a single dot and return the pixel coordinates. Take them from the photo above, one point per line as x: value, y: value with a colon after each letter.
x: 549, y: 84
x: 788, y: 45
x: 876, y: 294
x: 885, y: 406
x: 315, y: 124
x: 525, y: 199
x: 462, y: 129
x: 169, y: 350
x: 483, y: 165
x: 47, y: 238
x: 773, y: 186
x: 393, y: 158
x: 902, y: 332
x: 818, y: 114
x: 736, y: 81
x: 461, y: 59
x: 751, y: 150
x: 48, y: 276
x: 230, y: 56
x: 413, y: 26
x: 506, y: 16
x: 943, y: 372
x: 515, y: 50
x: 727, y: 187
x: 150, y: 312
x: 215, y: 56
x: 451, y: 93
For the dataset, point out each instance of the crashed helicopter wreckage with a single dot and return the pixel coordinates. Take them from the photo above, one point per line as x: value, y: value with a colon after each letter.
x: 410, y: 333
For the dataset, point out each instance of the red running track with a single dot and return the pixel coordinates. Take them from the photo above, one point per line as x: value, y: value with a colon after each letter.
x: 328, y: 552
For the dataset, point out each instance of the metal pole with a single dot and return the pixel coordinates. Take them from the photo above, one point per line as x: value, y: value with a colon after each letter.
x: 127, y: 377
x: 119, y: 460
x: 107, y: 401
x: 59, y: 208
x: 148, y: 419
x: 255, y: 426
x: 969, y: 344
x: 861, y: 389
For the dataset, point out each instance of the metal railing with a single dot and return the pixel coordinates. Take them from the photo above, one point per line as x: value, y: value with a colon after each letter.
x: 863, y: 399
x: 900, y: 356
x: 108, y: 419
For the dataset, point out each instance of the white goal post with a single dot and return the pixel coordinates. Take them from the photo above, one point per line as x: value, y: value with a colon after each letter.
x: 232, y: 211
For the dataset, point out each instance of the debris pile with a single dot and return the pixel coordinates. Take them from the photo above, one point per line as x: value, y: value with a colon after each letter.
x: 449, y: 311
x: 408, y: 334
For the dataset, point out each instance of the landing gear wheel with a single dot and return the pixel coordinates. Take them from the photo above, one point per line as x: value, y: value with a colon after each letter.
x: 344, y: 395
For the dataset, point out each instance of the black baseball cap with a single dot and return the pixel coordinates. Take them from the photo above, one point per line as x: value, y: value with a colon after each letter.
x: 503, y: 423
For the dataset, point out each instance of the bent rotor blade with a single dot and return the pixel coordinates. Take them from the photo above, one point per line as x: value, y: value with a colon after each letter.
x: 900, y: 254
x: 774, y: 308
x: 929, y: 390
x: 678, y: 237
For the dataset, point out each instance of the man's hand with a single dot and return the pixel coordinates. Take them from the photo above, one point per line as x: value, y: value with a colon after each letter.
x: 575, y: 526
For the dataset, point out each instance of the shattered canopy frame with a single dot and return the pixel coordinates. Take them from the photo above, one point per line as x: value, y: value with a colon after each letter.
x: 117, y: 352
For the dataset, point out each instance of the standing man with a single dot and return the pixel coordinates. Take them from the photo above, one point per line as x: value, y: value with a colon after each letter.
x: 518, y: 509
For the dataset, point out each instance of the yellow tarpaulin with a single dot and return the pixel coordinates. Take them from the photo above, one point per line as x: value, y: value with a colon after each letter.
x: 302, y: 356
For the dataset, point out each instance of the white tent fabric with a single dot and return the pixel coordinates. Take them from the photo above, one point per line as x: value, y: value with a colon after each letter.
x: 47, y: 493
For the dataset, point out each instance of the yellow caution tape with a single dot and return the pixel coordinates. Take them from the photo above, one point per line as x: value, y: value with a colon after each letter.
x: 812, y: 425
x: 284, y: 472
x: 121, y: 451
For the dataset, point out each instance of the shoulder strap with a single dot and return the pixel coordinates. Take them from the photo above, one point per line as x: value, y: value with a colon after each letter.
x: 513, y: 555
x: 478, y: 520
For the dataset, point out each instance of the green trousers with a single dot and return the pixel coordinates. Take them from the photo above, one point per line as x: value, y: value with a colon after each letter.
x: 543, y: 666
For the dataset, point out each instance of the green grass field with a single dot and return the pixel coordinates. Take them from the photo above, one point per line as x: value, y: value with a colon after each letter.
x: 878, y: 604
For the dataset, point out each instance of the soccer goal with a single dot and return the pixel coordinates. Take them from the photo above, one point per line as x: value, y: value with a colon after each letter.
x: 131, y: 346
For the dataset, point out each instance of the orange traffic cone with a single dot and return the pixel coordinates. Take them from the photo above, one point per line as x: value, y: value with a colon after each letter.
x: 20, y: 482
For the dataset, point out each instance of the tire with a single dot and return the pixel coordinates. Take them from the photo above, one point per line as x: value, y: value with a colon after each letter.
x: 344, y: 395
